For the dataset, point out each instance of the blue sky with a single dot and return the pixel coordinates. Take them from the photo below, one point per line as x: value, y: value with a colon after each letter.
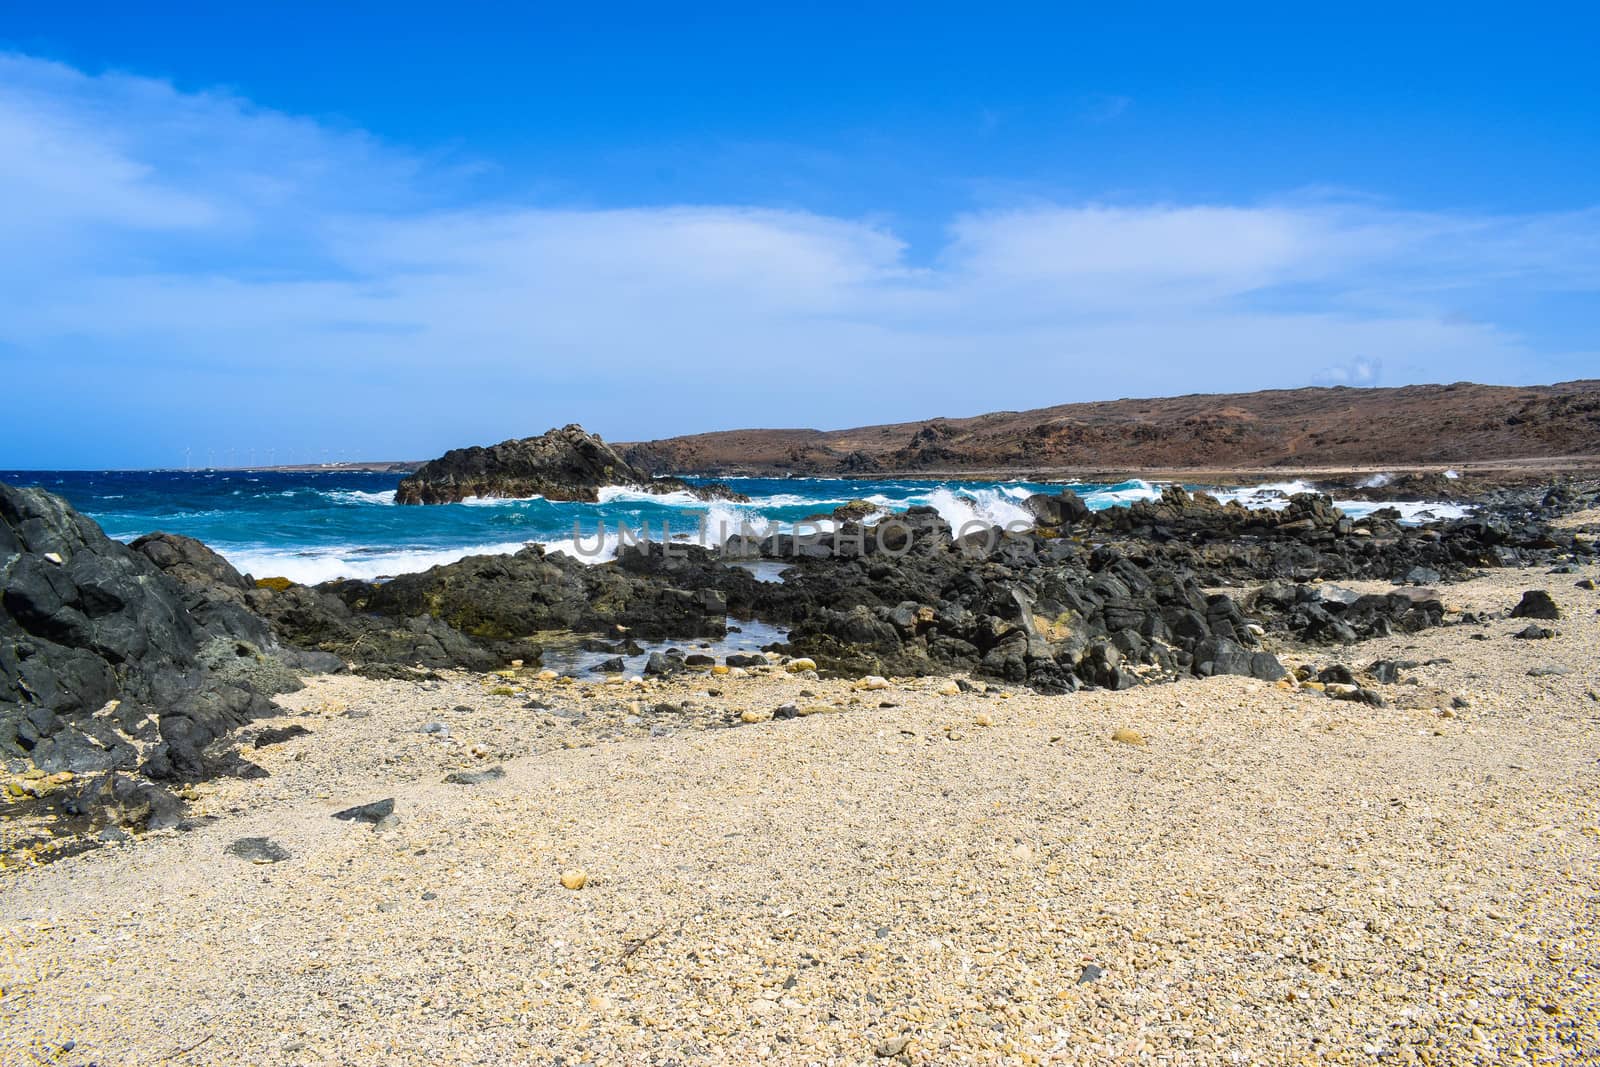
x: 364, y: 231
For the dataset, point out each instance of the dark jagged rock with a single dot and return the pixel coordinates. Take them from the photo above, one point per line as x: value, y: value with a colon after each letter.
x: 1387, y: 671
x: 483, y: 611
x: 372, y: 813
x: 854, y: 511
x: 277, y: 735
x: 1065, y: 508
x: 1102, y: 598
x: 563, y: 464
x: 103, y: 645
x: 1116, y: 598
x: 508, y: 598
x: 1536, y: 604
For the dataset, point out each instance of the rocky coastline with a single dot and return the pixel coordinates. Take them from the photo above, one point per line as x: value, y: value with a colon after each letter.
x: 129, y: 670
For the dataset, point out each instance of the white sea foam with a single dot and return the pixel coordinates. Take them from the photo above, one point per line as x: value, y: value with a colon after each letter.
x: 724, y: 520
x: 1412, y: 512
x: 1122, y: 494
x: 343, y: 561
x: 1377, y: 481
x: 357, y: 496
x: 1271, y: 495
x: 710, y: 523
x: 596, y: 547
x: 495, y: 501
x: 622, y: 494
x: 793, y: 500
x: 991, y: 507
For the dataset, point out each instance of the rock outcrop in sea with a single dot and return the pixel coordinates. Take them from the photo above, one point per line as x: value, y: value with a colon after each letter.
x: 564, y: 464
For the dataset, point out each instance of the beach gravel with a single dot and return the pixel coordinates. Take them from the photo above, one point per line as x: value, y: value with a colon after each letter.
x: 927, y: 873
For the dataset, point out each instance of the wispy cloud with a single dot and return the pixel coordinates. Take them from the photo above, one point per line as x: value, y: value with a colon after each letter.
x: 1356, y: 372
x: 1106, y: 107
x: 166, y: 257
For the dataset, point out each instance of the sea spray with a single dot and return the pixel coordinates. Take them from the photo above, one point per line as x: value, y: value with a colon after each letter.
x: 312, y: 526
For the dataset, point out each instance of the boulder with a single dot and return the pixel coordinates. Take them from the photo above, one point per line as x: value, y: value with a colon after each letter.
x: 107, y: 648
x: 1536, y: 604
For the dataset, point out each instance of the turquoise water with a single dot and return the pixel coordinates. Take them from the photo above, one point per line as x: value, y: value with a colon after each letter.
x: 315, y: 526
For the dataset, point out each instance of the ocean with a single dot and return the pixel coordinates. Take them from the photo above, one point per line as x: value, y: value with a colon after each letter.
x: 313, y: 526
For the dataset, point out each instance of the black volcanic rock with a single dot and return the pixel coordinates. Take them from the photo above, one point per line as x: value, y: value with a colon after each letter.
x: 85, y: 621
x: 1067, y: 507
x: 564, y: 464
x: 1536, y: 604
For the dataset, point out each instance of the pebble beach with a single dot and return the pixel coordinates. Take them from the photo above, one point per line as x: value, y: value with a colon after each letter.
x: 1217, y: 870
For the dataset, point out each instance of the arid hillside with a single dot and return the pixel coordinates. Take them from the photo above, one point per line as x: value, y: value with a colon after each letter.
x: 1295, y: 428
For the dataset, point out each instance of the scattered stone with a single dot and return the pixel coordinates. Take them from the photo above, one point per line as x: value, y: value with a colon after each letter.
x: 373, y: 813
x: 1584, y: 583
x: 1422, y: 576
x: 1090, y: 973
x: 1358, y: 694
x: 1536, y: 604
x: 895, y: 1046
x: 795, y: 666
x: 258, y: 850
x: 1336, y: 674
x: 658, y: 665
x: 276, y: 735
x: 1534, y: 632
x: 1385, y: 671
x: 873, y: 682
x: 488, y: 774
x: 1127, y: 736
x: 1554, y: 671
x: 574, y: 879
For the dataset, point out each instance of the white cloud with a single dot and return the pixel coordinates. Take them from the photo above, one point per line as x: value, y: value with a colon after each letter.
x: 1359, y: 371
x: 192, y: 233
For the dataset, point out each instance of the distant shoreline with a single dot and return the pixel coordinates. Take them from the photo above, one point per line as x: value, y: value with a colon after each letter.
x: 1485, y: 473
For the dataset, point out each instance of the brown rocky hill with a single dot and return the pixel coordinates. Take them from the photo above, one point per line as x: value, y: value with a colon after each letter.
x: 1293, y: 428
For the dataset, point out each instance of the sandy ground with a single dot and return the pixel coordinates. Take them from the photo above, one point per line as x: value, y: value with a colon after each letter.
x: 1273, y: 877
